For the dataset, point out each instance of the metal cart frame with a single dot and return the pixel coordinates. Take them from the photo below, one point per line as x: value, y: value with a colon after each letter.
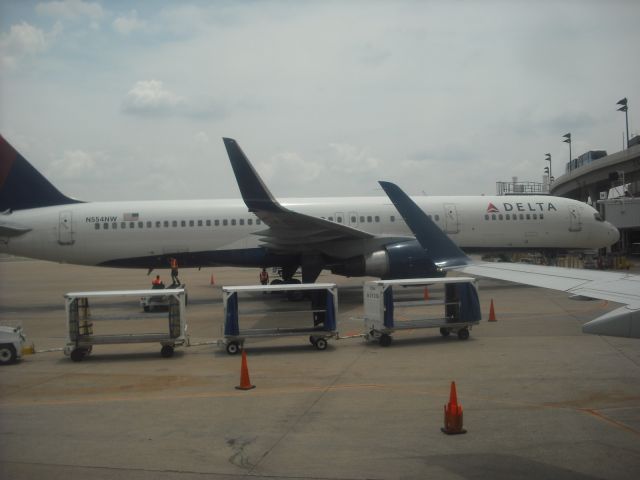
x: 461, y: 305
x: 234, y: 336
x: 80, y: 336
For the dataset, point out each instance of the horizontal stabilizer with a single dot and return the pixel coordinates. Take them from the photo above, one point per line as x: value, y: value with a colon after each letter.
x: 440, y: 248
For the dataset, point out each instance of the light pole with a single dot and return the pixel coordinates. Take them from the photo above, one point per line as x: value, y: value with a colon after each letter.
x: 548, y: 159
x: 624, y: 108
x: 567, y: 139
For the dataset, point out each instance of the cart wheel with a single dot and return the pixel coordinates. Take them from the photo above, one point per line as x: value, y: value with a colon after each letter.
x: 463, y: 333
x: 233, y: 348
x: 445, y: 332
x: 312, y: 340
x: 166, y: 351
x: 77, y: 354
x: 321, y: 343
x: 7, y: 354
x: 146, y: 308
x: 385, y: 340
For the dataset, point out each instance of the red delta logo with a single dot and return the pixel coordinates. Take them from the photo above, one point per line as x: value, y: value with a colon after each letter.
x: 492, y: 208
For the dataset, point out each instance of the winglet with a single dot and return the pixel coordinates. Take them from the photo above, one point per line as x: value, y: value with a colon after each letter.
x: 444, y: 253
x: 254, y: 192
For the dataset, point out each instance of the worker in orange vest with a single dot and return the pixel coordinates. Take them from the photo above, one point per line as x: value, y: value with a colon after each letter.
x: 173, y: 263
x: 264, y: 277
x: 157, y: 283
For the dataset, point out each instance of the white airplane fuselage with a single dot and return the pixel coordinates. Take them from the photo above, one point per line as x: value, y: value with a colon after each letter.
x: 100, y: 233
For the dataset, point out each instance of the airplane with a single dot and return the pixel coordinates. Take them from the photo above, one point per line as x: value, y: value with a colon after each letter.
x: 616, y: 287
x: 351, y: 236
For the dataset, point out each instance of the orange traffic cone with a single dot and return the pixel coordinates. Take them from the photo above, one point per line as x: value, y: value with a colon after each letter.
x: 213, y: 280
x: 453, y: 414
x: 245, y: 383
x: 492, y: 313
x: 426, y: 293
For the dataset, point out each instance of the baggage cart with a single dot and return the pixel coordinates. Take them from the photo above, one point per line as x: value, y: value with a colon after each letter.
x: 320, y: 324
x: 382, y: 313
x: 170, y: 328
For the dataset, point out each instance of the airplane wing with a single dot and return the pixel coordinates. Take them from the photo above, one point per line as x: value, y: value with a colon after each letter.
x: 612, y: 286
x: 293, y: 232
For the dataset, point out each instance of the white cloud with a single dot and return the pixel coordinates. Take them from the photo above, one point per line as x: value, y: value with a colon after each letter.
x: 22, y: 40
x: 71, y: 9
x: 128, y: 23
x: 76, y: 164
x: 150, y: 96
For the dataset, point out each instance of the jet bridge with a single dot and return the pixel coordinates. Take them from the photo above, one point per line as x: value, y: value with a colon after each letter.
x: 454, y: 308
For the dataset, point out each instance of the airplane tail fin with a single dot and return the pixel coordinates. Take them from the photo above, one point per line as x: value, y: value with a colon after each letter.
x: 441, y: 249
x: 22, y: 186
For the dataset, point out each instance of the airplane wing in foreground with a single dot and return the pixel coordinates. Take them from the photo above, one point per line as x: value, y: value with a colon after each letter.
x: 612, y: 286
x: 292, y: 232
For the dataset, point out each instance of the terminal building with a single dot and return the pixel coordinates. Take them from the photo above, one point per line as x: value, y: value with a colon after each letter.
x: 611, y: 183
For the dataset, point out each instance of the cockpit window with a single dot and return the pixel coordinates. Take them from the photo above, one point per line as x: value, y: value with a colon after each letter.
x: 598, y: 217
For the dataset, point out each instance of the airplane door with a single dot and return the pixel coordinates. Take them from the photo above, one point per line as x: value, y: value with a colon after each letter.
x: 575, y: 220
x: 353, y: 219
x: 65, y: 228
x: 450, y: 218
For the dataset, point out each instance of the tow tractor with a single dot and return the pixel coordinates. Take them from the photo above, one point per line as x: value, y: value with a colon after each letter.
x: 12, y: 341
x: 160, y: 303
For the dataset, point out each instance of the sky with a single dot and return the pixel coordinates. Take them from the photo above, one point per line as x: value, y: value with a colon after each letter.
x: 125, y: 100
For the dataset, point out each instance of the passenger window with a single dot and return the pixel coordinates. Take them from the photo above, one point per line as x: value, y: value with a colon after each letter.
x: 486, y: 216
x: 331, y: 219
x: 225, y: 222
x: 493, y: 216
x: 500, y: 217
x: 361, y: 218
x: 140, y: 224
x: 541, y: 216
x: 241, y: 221
x: 183, y: 223
x: 217, y: 223
x: 97, y: 226
x: 376, y: 218
x: 123, y: 225
x: 535, y: 217
x: 233, y: 221
x: 106, y: 226
x: 132, y: 225
x: 528, y: 217
x: 369, y: 219
x: 353, y: 219
x: 166, y: 223
x: 174, y: 223
x: 199, y: 223
x: 192, y: 223
x: 507, y: 217
x: 114, y: 225
x: 258, y: 222
x: 392, y: 218
x: 437, y: 217
x: 208, y: 223
x: 521, y: 216
x: 250, y: 221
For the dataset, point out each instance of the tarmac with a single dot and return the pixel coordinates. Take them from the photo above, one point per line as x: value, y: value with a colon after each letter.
x: 540, y: 399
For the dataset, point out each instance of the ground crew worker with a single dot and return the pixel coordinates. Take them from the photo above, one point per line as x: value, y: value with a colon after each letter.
x: 157, y: 283
x: 173, y: 263
x: 264, y: 277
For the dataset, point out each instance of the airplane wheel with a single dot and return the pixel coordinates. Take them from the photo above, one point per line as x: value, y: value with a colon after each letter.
x: 321, y: 344
x: 77, y: 354
x: 463, y: 334
x: 445, y: 332
x: 385, y: 340
x: 166, y: 351
x: 233, y: 348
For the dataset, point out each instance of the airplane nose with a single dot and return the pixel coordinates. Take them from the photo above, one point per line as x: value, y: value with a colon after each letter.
x: 612, y: 233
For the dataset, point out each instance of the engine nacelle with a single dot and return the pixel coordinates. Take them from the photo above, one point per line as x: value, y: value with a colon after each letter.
x: 400, y: 260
